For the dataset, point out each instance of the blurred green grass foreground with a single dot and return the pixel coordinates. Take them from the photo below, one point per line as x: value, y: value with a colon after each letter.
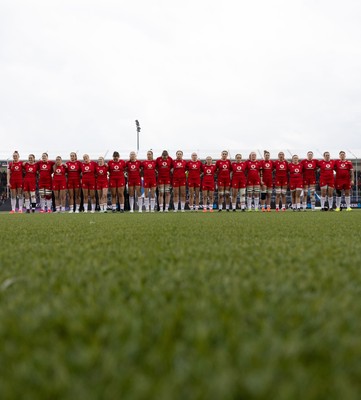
x: 180, y: 306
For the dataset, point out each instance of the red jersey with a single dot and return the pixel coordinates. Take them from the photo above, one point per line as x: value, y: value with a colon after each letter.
x: 148, y: 167
x: 309, y: 169
x: 238, y: 170
x: 16, y: 170
x: 326, y: 168
x: 74, y: 170
x: 343, y: 169
x: 163, y: 167
x: 281, y: 168
x: 295, y: 171
x: 116, y: 169
x: 133, y: 168
x: 208, y: 173
x: 45, y: 170
x: 253, y: 168
x: 194, y: 170
x: 267, y: 169
x: 179, y: 168
x: 59, y: 172
x: 223, y: 168
x: 88, y: 170
x: 101, y: 172
x: 30, y: 171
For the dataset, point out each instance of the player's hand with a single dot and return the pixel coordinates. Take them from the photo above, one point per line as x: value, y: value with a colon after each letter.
x: 8, y: 185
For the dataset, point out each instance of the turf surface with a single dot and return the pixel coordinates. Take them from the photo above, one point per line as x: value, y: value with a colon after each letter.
x: 180, y: 306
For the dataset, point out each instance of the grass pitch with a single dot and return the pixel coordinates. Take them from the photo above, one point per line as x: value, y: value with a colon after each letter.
x: 180, y: 306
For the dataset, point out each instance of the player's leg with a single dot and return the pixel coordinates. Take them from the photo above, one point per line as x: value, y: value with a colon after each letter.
x: 227, y: 192
x: 278, y: 197
x: 257, y: 190
x: 221, y: 193
x: 152, y: 198
x: 131, y: 197
x: 250, y: 190
x: 191, y: 197
x: 161, y: 194
x: 139, y: 198
x: 330, y: 197
x: 86, y: 193
x: 92, y: 199
x: 167, y: 196
x: 283, y: 197
x: 235, y: 191
x: 120, y: 196
x: 348, y: 198
x: 182, y: 190
x: 113, y: 191
x: 323, y: 197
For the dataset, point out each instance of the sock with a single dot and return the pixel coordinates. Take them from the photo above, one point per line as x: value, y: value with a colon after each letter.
x: 298, y: 205
x: 13, y: 204
x: 323, y: 200
x: 114, y: 207
x: 196, y: 207
x: 256, y: 202
x: 152, y: 204
x: 249, y: 202
x: 86, y: 205
x: 57, y: 208
x: 21, y: 203
x: 160, y: 207
x: 140, y: 203
x: 167, y: 206
x: 234, y: 205
x: 77, y: 206
x: 182, y: 205
x: 146, y: 203
x: 220, y: 206
x: 93, y: 207
x: 227, y: 206
x: 121, y: 206
x: 42, y: 203
x: 27, y: 204
x: 348, y: 201
x: 131, y: 202
x: 338, y: 201
x: 330, y: 202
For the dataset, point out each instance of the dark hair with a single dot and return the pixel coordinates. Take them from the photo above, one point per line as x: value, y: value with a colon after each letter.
x: 115, y: 154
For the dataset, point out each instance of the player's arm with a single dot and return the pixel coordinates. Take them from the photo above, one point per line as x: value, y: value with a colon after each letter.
x: 8, y: 174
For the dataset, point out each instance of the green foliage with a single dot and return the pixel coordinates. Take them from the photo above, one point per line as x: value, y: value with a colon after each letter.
x: 180, y: 306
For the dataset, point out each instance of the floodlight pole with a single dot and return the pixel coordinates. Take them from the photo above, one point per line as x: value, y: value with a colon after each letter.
x: 138, y: 131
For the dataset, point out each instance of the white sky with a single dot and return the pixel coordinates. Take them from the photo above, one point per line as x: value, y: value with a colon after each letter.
x: 198, y: 74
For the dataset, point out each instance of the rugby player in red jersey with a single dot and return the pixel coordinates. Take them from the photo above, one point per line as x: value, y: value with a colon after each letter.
x: 179, y: 181
x: 117, y: 181
x: 327, y: 180
x: 238, y: 183
x: 194, y: 181
x: 344, y: 180
x: 133, y: 167
x: 163, y: 168
x: 88, y: 183
x: 59, y: 184
x: 281, y: 180
x: 208, y: 172
x: 266, y: 181
x: 253, y: 181
x: 45, y: 168
x: 296, y: 182
x: 309, y: 166
x: 149, y: 181
x: 101, y: 176
x: 29, y: 184
x: 74, y: 183
x: 223, y: 171
x: 15, y: 182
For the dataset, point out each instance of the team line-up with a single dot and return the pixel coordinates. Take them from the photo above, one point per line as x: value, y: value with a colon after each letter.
x: 252, y: 180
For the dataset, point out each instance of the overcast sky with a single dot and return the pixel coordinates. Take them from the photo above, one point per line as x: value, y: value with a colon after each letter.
x: 198, y: 75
